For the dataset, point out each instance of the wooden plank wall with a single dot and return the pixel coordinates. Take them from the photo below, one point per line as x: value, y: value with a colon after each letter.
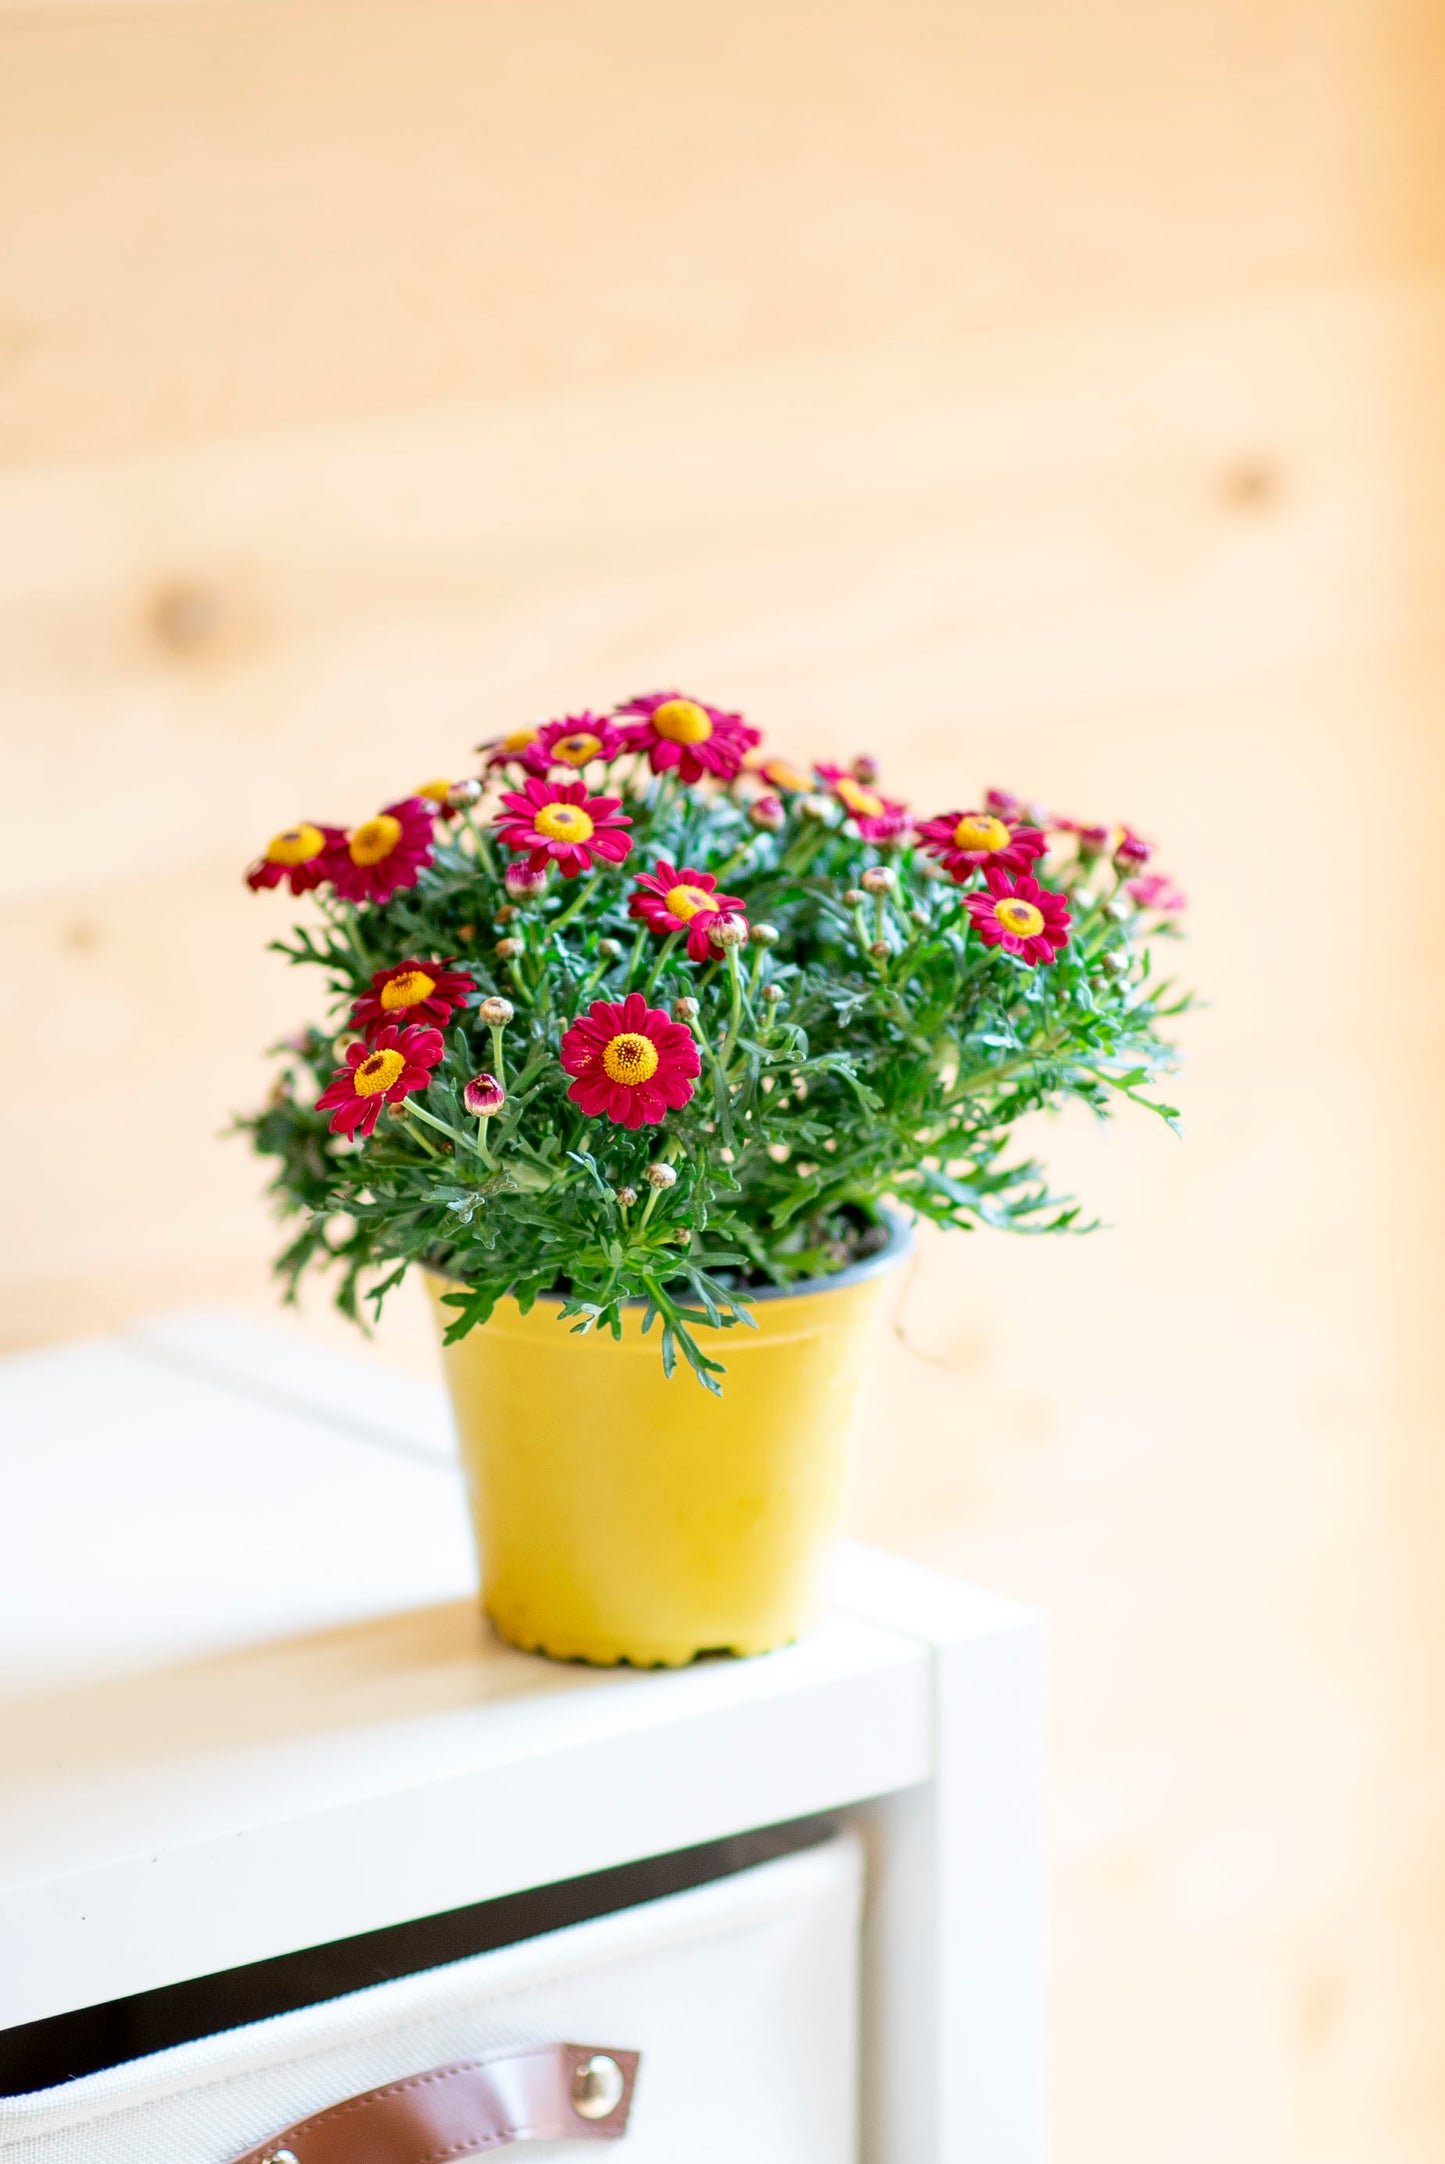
x: 1039, y: 395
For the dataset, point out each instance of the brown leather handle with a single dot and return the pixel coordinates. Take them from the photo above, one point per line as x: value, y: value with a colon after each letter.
x: 552, y: 2093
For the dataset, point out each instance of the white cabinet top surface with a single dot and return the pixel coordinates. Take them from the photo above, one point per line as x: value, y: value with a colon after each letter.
x: 248, y: 1704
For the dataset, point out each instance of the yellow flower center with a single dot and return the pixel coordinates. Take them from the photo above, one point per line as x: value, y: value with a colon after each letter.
x: 784, y: 776
x: 563, y: 823
x: 630, y: 1058
x: 980, y: 830
x: 377, y: 1072
x: 374, y: 839
x: 1020, y: 918
x: 685, y: 902
x: 519, y: 740
x: 436, y: 791
x: 860, y: 800
x: 405, y: 990
x: 577, y: 750
x: 298, y: 845
x: 682, y: 721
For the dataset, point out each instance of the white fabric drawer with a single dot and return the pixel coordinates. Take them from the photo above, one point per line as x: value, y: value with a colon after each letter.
x: 741, y: 1996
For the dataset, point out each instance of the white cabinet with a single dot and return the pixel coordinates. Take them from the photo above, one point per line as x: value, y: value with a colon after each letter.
x: 248, y: 1711
x: 740, y: 1996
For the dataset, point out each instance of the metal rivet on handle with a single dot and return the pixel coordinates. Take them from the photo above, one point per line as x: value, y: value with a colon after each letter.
x: 283, y: 2156
x: 597, y: 2089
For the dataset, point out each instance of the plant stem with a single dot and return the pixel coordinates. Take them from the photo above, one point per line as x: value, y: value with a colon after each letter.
x: 419, y: 1112
x: 730, y: 864
x: 585, y: 895
x: 484, y: 854
x: 636, y: 955
x: 735, y: 1013
x: 663, y: 953
x: 421, y: 1141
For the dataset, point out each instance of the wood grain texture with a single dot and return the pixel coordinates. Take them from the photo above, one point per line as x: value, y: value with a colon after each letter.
x: 237, y: 215
x: 1037, y: 396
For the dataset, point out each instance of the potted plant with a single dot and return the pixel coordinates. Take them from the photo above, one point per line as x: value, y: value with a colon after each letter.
x: 647, y: 1046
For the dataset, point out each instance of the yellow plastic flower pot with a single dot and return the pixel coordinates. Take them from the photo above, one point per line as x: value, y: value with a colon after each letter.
x: 620, y: 1516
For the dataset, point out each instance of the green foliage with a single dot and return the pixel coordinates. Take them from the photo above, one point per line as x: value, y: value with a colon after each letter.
x: 876, y: 1049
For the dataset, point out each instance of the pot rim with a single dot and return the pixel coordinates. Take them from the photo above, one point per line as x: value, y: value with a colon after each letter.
x: 900, y: 1241
x: 899, y: 1244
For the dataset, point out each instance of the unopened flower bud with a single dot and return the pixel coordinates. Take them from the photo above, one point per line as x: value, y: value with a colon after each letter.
x: 1132, y: 853
x: 1118, y: 909
x: 507, y: 949
x: 866, y: 771
x: 681, y: 1237
x: 767, y: 812
x: 523, y: 884
x: 878, y: 879
x: 854, y: 898
x: 919, y: 914
x: 764, y: 935
x: 684, y: 1010
x: 1084, y: 897
x: 731, y: 931
x: 463, y: 792
x: 505, y: 914
x: 772, y: 993
x: 1115, y: 962
x: 1002, y: 803
x: 609, y: 949
x: 661, y: 1175
x: 495, y: 1012
x: 626, y: 1196
x: 401, y: 1110
x: 779, y: 1152
x: 483, y: 1096
x: 1093, y: 841
x: 816, y: 807
x: 466, y: 933
x: 880, y: 950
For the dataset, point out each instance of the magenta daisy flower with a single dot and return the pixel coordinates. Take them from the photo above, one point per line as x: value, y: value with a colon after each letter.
x: 396, y: 1062
x: 632, y: 1062
x: 576, y: 740
x: 383, y: 854
x: 412, y: 991
x: 1156, y: 890
x: 877, y: 818
x: 517, y: 748
x: 684, y: 733
x: 298, y: 855
x: 670, y: 900
x: 558, y: 822
x: 1091, y: 841
x: 780, y: 774
x: 1020, y: 916
x: 972, y: 841
x: 436, y: 794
